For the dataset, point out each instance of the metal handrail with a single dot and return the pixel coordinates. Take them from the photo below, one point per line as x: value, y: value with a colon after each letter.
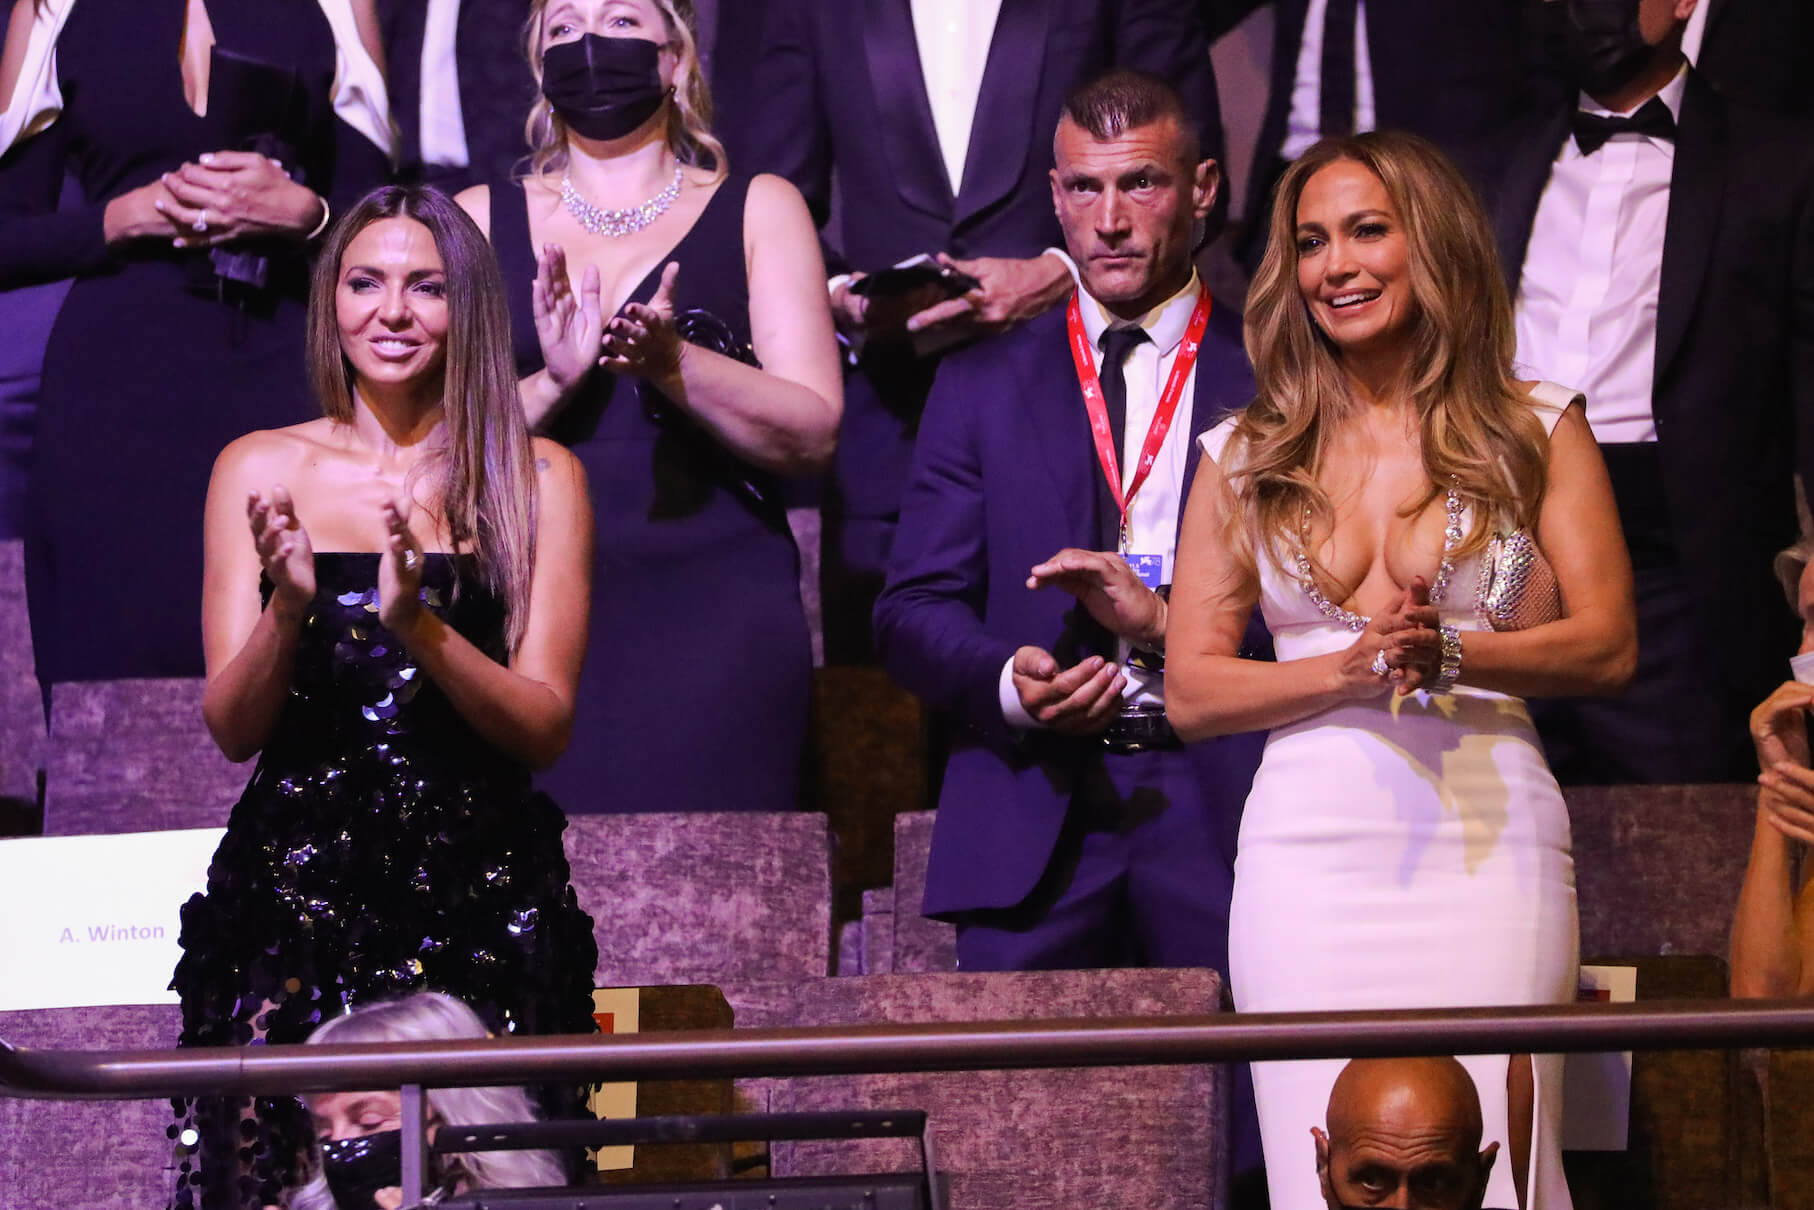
x: 945, y: 1046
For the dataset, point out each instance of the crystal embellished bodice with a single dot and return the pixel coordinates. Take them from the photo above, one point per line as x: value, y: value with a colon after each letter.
x: 358, y: 697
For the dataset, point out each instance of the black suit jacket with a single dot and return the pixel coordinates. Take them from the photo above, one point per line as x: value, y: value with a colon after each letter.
x: 496, y: 86
x: 1734, y: 380
x: 1453, y: 71
x: 1757, y: 51
x: 835, y: 88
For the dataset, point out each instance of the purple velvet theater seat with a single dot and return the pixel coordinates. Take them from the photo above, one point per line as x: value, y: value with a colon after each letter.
x: 21, y: 705
x: 1657, y: 868
x: 1142, y: 1137
x: 87, y: 1155
x: 134, y: 756
x: 705, y: 898
x: 920, y: 944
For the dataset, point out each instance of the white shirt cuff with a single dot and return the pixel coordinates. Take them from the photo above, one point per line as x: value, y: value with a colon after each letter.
x: 1069, y: 264
x: 831, y: 287
x: 1012, y: 711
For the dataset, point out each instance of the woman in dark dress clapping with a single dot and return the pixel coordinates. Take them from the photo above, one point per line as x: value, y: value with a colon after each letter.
x: 696, y: 694
x: 394, y: 617
x: 211, y: 142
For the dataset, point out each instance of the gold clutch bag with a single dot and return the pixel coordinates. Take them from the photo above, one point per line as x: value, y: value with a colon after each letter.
x: 1518, y: 586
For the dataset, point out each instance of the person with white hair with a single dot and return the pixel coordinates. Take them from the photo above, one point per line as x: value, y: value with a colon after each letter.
x: 357, y: 1160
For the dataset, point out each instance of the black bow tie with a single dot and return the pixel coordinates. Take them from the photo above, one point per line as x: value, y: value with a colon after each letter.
x: 1653, y: 118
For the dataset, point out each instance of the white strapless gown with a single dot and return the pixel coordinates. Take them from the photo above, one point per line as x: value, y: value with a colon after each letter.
x: 1401, y: 853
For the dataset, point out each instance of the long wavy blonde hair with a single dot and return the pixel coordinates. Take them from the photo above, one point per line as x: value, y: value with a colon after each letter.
x: 1477, y: 429
x: 689, y: 133
x: 484, y: 473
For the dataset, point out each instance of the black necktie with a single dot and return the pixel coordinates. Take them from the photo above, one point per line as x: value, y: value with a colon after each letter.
x: 1335, y: 100
x: 1117, y: 343
x: 403, y: 47
x: 1653, y: 118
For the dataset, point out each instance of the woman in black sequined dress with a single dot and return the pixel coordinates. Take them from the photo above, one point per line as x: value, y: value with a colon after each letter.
x: 408, y: 653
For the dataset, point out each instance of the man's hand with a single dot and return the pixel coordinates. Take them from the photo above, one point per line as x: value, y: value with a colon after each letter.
x: 881, y: 318
x: 1010, y: 291
x: 1072, y: 701
x: 1110, y: 591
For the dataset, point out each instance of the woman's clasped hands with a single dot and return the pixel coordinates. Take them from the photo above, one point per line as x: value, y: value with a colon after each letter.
x: 1779, y: 731
x: 1400, y: 647
x: 222, y: 196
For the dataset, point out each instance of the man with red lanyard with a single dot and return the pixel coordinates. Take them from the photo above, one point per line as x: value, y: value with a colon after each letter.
x: 1025, y: 592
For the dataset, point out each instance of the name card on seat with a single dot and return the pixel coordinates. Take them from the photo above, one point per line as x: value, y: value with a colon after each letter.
x: 93, y: 920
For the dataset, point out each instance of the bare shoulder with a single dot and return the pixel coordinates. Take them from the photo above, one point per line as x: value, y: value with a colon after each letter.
x: 476, y: 201
x: 555, y: 466
x: 772, y: 198
x: 266, y: 452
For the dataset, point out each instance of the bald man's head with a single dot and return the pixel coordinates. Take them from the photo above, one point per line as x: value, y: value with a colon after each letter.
x: 1403, y: 1133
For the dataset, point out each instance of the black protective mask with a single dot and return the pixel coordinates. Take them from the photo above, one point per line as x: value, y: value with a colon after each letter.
x: 356, y: 1169
x: 604, y: 87
x: 1603, y: 48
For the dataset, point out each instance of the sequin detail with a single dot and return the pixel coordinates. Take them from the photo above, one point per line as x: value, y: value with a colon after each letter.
x: 380, y: 846
x: 1439, y: 587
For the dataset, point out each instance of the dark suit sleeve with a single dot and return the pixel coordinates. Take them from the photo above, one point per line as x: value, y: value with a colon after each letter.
x: 779, y: 123
x: 928, y: 620
x: 1170, y: 38
x: 1221, y: 16
x: 39, y: 243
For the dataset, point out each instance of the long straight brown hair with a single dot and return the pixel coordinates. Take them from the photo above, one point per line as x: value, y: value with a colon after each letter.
x: 1478, y: 431
x: 483, y: 472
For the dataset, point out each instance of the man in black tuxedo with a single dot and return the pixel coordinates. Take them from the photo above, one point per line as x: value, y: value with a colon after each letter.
x: 1660, y: 240
x: 933, y: 119
x: 460, y: 87
x: 1450, y: 71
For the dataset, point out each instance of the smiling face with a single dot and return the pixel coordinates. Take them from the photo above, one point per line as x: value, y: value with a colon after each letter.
x: 570, y: 20
x: 391, y: 304
x: 1127, y: 205
x: 1353, y: 260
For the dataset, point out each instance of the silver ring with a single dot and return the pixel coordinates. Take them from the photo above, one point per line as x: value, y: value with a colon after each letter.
x: 1379, y: 667
x: 410, y: 559
x: 200, y: 225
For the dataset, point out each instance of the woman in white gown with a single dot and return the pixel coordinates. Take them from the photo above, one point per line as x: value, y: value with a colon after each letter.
x: 1404, y: 844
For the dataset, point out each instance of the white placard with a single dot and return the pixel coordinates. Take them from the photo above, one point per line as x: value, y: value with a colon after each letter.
x: 92, y: 920
x: 1596, y: 1088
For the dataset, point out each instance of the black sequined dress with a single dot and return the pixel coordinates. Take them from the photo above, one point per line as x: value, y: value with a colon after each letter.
x: 381, y: 846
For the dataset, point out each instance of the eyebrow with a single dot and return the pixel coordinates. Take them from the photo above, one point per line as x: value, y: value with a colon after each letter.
x: 414, y: 274
x: 1356, y: 217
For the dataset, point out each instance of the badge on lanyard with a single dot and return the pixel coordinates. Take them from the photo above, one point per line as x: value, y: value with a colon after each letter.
x: 1150, y: 569
x: 1083, y: 356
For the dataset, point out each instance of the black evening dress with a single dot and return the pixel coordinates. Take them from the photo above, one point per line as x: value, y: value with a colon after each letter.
x: 381, y: 847
x: 698, y: 674
x: 154, y: 363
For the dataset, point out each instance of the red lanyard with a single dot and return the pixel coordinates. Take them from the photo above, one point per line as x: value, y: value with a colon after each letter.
x: 1085, y: 358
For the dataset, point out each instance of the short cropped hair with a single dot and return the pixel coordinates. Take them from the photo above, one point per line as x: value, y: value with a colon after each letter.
x: 1122, y: 98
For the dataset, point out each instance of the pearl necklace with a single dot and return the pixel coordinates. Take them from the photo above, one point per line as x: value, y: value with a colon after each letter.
x: 618, y: 223
x: 1439, y: 587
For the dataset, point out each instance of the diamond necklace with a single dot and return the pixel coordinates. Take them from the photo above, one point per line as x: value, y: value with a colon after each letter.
x: 600, y: 221
x: 1439, y: 588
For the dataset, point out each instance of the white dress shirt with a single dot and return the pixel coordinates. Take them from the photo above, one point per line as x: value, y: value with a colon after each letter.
x: 953, y: 38
x: 1304, y: 122
x: 1587, y: 300
x: 443, y: 126
x: 1153, y: 521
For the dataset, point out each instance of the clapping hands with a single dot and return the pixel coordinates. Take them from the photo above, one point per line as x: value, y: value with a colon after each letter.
x: 283, y: 549
x: 399, y: 569
x: 641, y: 340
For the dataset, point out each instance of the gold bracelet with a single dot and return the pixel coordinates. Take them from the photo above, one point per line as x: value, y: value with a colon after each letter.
x: 326, y: 214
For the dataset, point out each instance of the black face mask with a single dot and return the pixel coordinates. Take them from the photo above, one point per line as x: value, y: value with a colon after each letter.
x: 604, y: 87
x: 356, y: 1169
x: 1603, y: 48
